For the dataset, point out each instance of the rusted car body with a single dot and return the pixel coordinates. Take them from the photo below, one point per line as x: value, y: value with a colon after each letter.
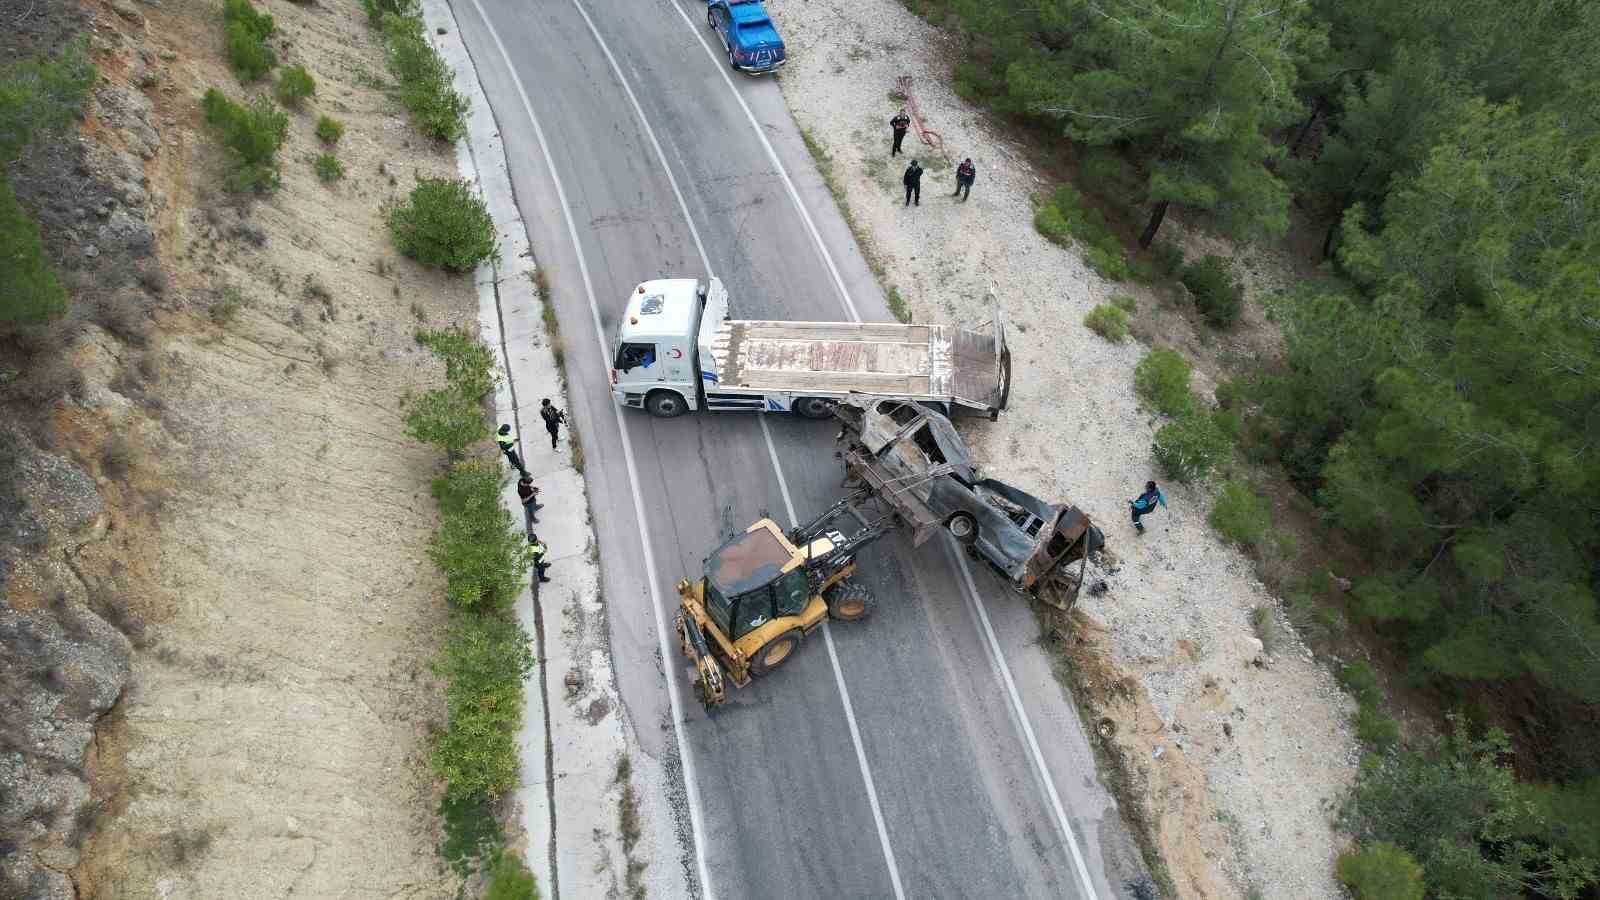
x: 912, y: 457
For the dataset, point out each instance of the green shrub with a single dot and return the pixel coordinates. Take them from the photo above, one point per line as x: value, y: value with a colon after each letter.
x: 483, y: 558
x: 245, y: 32
x: 468, y: 364
x: 1108, y: 321
x: 252, y: 135
x: 42, y: 94
x: 1216, y: 292
x: 30, y: 291
x: 1381, y: 871
x: 1064, y: 219
x: 1162, y: 380
x: 425, y: 79
x: 444, y: 225
x: 483, y: 662
x: 294, y: 85
x: 509, y: 879
x: 1375, y: 728
x: 1189, y: 448
x: 328, y: 167
x: 329, y: 130
x: 1240, y: 515
x: 450, y: 417
x: 227, y: 305
x: 1361, y: 682
x: 1124, y: 303
x: 1166, y: 258
x: 376, y: 9
x: 1228, y: 394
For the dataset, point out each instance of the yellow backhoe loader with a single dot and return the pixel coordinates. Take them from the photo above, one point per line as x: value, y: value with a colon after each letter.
x: 765, y: 590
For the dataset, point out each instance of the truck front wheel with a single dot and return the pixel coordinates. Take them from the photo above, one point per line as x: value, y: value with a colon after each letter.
x: 813, y: 407
x: 665, y: 404
x: 775, y: 653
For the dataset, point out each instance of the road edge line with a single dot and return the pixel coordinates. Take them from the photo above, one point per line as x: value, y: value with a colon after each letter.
x: 685, y: 757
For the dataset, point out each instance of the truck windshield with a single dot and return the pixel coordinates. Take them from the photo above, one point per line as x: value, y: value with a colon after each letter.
x: 717, y: 606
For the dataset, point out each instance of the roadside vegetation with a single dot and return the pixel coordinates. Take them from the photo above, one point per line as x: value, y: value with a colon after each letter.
x: 486, y: 655
x: 444, y: 224
x: 1434, y: 412
x: 426, y: 82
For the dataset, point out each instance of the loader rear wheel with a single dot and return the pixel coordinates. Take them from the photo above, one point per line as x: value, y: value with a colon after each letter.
x: 963, y: 527
x: 849, y: 602
x: 776, y: 652
x: 813, y: 407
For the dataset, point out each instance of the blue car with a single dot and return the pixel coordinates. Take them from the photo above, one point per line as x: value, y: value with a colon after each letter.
x: 753, y: 43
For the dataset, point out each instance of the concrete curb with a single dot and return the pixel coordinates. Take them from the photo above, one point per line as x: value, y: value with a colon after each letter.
x: 570, y: 745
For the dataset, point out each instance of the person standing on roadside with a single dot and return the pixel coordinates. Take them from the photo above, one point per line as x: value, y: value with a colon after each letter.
x: 899, y: 124
x: 1145, y: 503
x: 508, y: 446
x: 913, y: 183
x: 539, y: 550
x: 529, y: 495
x: 552, y: 419
x: 966, y: 173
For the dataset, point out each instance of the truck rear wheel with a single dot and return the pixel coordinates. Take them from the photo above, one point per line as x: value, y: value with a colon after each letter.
x: 813, y: 407
x: 665, y: 404
x: 776, y: 652
x: 849, y: 602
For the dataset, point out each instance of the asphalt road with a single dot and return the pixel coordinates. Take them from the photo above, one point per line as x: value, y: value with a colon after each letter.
x: 973, y: 765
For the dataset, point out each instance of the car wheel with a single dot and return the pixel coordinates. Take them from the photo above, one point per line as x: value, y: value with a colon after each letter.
x: 776, y: 652
x: 711, y: 20
x: 813, y: 407
x: 665, y: 404
x: 731, y: 63
x: 849, y: 602
x: 963, y: 527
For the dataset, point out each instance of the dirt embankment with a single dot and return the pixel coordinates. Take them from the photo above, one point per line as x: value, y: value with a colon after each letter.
x: 262, y: 533
x: 1234, y: 758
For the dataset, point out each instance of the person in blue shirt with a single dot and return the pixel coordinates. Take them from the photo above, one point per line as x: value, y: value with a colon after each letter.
x: 1145, y: 503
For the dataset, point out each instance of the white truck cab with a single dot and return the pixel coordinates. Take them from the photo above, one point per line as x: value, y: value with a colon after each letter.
x: 676, y: 350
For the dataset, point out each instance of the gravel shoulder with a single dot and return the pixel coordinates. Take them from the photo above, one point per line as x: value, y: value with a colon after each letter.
x: 1236, y: 757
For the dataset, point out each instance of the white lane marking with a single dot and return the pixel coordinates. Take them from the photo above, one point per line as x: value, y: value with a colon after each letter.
x: 691, y: 787
x: 844, y: 692
x: 976, y: 604
x: 971, y: 590
x: 705, y: 261
x: 783, y: 173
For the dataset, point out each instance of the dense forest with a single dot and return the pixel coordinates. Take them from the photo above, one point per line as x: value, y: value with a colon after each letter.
x: 1439, y: 395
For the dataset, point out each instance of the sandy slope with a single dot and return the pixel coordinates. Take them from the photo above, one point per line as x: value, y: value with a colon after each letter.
x: 271, y: 742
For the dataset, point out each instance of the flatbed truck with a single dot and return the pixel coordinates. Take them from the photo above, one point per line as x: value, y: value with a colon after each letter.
x: 677, y: 350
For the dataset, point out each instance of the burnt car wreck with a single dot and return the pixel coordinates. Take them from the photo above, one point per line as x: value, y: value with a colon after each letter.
x: 911, y: 457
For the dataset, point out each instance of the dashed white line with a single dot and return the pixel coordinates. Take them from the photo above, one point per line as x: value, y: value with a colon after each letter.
x: 691, y: 787
x: 783, y: 485
x: 1004, y: 671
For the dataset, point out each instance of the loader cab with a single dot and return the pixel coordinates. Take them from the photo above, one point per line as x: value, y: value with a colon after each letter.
x: 754, y: 580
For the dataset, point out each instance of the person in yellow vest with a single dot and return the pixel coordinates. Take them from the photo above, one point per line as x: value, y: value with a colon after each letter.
x: 508, y: 446
x: 539, y: 550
